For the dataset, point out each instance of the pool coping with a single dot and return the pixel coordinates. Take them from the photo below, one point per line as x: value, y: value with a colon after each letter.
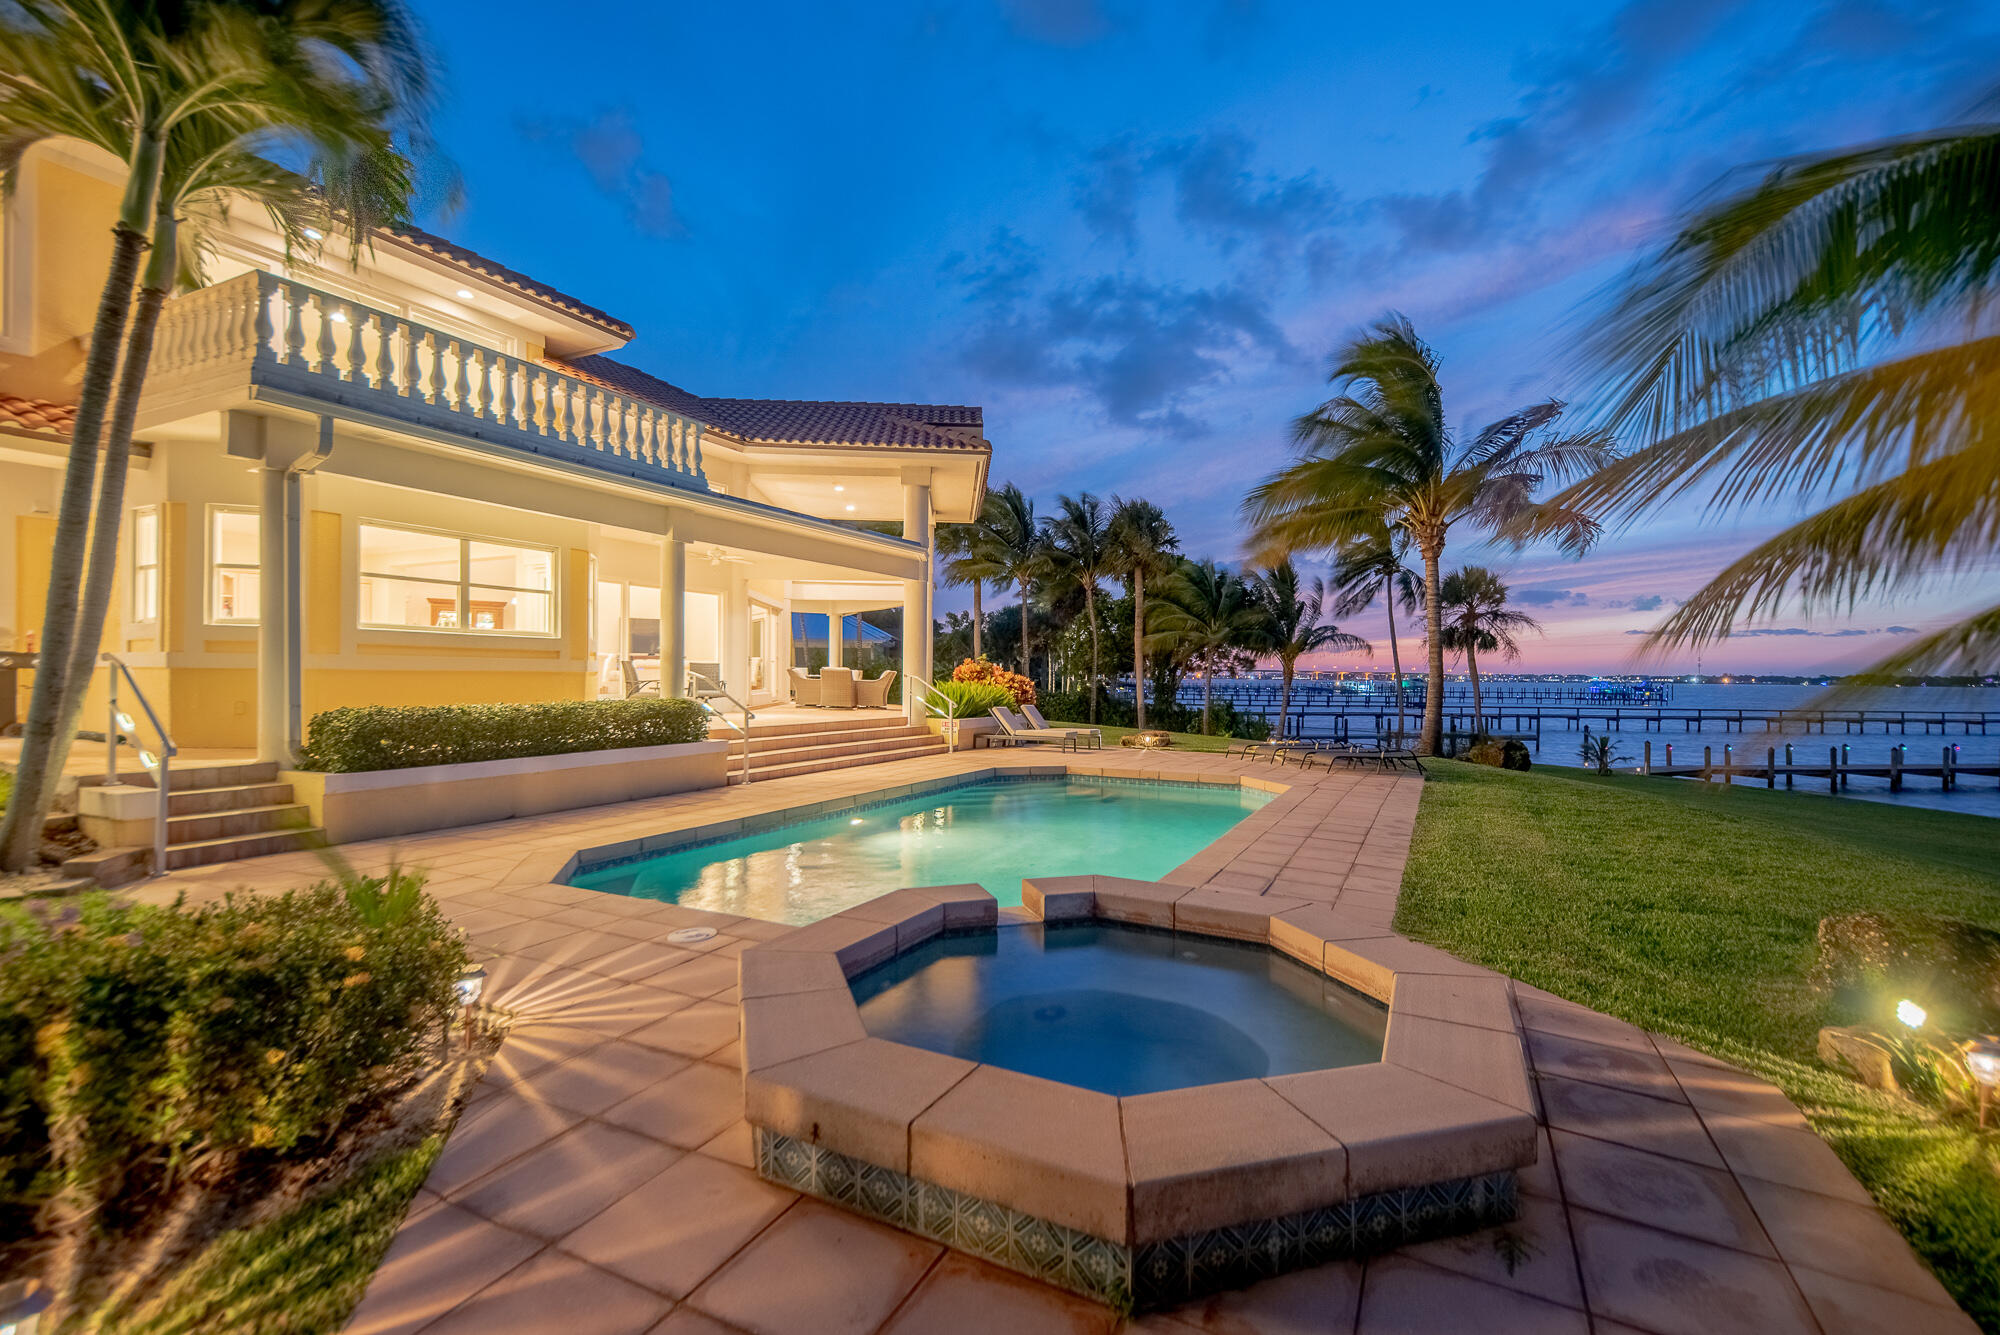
x: 1116, y: 1197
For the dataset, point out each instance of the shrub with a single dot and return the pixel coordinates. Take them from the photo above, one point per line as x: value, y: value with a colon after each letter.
x: 1224, y: 720
x: 138, y: 1042
x: 377, y: 737
x: 973, y: 699
x: 1510, y: 754
x: 1019, y: 689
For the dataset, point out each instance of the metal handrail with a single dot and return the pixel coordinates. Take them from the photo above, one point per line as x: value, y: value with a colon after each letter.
x: 160, y: 766
x: 744, y: 731
x: 932, y: 695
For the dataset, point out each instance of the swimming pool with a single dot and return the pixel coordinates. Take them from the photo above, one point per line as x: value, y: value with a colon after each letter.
x: 994, y: 833
x: 1117, y: 1008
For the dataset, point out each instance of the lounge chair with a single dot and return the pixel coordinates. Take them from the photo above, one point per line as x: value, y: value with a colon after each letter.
x: 805, y: 687
x: 1094, y: 736
x: 836, y: 688
x: 873, y: 692
x: 1018, y: 732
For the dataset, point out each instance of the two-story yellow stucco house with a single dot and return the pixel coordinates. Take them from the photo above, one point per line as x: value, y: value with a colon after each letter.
x: 424, y: 477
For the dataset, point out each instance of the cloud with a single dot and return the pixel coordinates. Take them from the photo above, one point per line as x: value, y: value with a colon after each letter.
x: 1900, y: 630
x: 1645, y: 602
x: 1003, y: 272
x: 1141, y: 351
x: 612, y: 153
x: 1218, y: 196
x: 1545, y: 597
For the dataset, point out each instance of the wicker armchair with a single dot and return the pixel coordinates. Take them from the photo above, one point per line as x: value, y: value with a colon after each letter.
x: 873, y: 692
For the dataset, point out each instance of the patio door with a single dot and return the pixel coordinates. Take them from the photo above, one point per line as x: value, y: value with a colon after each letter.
x: 763, y: 654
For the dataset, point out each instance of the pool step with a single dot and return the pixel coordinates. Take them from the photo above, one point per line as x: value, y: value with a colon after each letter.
x: 762, y: 770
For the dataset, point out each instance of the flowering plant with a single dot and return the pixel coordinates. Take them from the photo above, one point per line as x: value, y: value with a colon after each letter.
x: 979, y: 669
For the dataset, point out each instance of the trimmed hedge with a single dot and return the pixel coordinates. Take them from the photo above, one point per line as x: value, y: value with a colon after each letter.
x: 351, y: 741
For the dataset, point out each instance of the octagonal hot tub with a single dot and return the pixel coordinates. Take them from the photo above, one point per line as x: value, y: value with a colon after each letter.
x: 1137, y: 1091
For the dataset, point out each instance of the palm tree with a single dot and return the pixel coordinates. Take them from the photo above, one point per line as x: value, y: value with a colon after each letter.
x: 1206, y: 613
x: 1081, y: 555
x: 189, y: 97
x: 1020, y: 552
x: 1476, y: 617
x: 1375, y: 566
x: 973, y: 556
x: 1290, y: 625
x: 1795, y: 339
x: 1142, y: 543
x: 1381, y: 455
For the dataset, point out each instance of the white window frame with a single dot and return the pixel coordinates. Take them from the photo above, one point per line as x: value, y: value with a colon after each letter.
x: 464, y: 582
x: 211, y: 567
x: 137, y: 615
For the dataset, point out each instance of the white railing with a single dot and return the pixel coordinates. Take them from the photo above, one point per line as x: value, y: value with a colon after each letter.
x: 941, y: 705
x: 703, y: 681
x: 158, y: 763
x: 297, y: 337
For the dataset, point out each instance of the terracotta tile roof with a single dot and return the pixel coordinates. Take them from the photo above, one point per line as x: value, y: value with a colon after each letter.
x: 36, y: 415
x: 430, y: 244
x: 924, y: 426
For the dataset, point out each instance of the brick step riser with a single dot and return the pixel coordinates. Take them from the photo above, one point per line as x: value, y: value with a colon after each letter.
x: 781, y: 740
x: 816, y: 751
x: 837, y: 762
x: 195, y: 778
x: 225, y: 824
x: 237, y: 847
x: 209, y: 801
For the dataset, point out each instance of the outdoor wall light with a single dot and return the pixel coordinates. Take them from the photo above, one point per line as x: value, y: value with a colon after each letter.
x: 471, y: 982
x: 1910, y: 1013
x: 22, y: 1302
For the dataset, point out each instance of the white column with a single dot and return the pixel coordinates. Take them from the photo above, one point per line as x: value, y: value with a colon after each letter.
x: 673, y: 617
x: 273, y: 673
x: 736, y: 635
x: 917, y: 528
x: 835, y: 650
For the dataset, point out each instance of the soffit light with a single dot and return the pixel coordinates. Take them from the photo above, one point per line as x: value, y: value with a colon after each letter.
x: 465, y: 294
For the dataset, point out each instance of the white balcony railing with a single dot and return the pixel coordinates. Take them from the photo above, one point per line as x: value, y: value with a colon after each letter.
x: 289, y: 336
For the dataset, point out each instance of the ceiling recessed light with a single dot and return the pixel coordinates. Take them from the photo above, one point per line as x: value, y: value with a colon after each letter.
x: 838, y: 487
x: 465, y: 294
x: 850, y: 507
x: 314, y: 234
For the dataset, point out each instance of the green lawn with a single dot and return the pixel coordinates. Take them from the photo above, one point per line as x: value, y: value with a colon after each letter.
x: 1691, y: 909
x: 1183, y: 741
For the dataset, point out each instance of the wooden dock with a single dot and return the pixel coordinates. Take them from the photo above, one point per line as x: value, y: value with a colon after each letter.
x: 1834, y: 771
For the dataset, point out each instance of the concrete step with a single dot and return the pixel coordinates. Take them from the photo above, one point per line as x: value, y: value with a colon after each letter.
x: 109, y: 866
x: 229, y: 797
x: 760, y: 773
x: 205, y: 852
x: 833, y: 720
x: 235, y: 821
x: 810, y: 747
x: 188, y: 777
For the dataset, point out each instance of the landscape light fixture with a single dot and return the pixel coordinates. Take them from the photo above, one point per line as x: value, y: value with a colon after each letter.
x: 1982, y: 1058
x: 471, y: 982
x: 126, y: 722
x: 1910, y: 1013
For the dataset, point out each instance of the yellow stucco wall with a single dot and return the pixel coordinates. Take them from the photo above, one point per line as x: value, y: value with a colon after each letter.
x: 67, y: 213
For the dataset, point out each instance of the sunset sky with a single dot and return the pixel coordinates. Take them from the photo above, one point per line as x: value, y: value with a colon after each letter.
x: 1132, y: 230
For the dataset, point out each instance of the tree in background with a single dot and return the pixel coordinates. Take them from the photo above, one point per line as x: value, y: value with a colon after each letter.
x: 1366, y: 568
x: 193, y: 99
x: 1380, y: 454
x: 1020, y: 551
x: 1142, y: 544
x: 1081, y: 556
x: 974, y: 556
x: 1817, y: 336
x: 1290, y: 626
x: 1477, y: 619
x: 1209, y: 619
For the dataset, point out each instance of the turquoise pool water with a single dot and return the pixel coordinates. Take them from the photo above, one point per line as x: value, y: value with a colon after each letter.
x: 1119, y: 1009
x: 994, y: 833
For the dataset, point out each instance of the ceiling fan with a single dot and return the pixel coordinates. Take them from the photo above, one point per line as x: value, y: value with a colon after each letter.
x: 716, y: 556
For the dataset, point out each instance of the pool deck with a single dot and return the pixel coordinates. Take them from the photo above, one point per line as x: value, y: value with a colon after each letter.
x: 600, y: 1180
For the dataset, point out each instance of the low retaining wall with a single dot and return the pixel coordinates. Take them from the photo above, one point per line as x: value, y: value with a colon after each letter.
x: 381, y: 803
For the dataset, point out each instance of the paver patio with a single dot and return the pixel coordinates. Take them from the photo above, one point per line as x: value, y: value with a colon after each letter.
x: 600, y: 1182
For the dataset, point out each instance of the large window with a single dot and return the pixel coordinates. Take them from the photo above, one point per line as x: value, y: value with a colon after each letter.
x: 233, y: 575
x: 442, y: 581
x: 145, y: 564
